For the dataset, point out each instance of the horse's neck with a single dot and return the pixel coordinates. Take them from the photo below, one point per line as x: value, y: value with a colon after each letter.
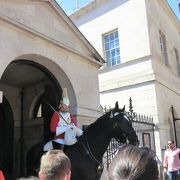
x: 98, y: 144
x: 98, y: 137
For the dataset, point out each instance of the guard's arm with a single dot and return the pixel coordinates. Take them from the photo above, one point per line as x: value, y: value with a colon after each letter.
x: 54, y: 122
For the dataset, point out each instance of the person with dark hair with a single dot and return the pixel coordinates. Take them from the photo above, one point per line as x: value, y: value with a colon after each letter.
x: 133, y: 163
x: 171, y: 161
x: 55, y: 165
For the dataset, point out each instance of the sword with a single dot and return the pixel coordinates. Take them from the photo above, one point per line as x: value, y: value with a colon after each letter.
x: 55, y: 110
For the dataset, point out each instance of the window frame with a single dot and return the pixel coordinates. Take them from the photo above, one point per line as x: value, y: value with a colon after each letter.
x: 111, y: 48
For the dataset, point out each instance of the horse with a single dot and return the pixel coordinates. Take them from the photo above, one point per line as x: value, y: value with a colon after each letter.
x: 87, y: 154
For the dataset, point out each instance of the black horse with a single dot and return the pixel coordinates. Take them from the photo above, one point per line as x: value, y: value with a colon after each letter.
x: 86, y: 155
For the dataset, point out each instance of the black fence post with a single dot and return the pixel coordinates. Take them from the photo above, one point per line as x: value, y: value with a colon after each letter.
x: 174, y: 125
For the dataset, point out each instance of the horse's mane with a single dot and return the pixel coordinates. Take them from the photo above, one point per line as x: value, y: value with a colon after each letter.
x: 98, y: 125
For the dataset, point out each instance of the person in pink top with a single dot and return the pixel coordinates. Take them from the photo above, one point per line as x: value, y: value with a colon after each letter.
x: 171, y: 161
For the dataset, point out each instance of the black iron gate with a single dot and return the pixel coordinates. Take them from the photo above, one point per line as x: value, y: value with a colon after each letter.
x: 144, y: 127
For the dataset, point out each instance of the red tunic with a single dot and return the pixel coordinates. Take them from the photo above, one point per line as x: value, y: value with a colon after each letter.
x: 54, y: 124
x: 1, y: 175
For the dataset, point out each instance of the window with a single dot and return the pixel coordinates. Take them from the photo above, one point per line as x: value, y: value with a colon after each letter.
x: 38, y: 109
x: 146, y: 140
x: 163, y: 47
x: 177, y: 60
x: 111, y: 48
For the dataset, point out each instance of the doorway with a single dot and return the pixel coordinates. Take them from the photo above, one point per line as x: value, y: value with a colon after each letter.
x: 6, y: 139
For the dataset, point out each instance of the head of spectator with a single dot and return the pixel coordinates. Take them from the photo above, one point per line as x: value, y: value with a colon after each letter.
x: 170, y: 144
x: 133, y: 163
x: 55, y: 165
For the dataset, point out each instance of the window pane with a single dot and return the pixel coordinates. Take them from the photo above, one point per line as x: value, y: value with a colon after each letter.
x: 116, y: 42
x: 106, y: 39
x: 113, y: 53
x: 116, y: 35
x: 111, y: 37
x: 117, y: 52
x: 111, y: 45
x: 106, y: 46
x: 108, y: 62
x: 108, y: 55
x: 118, y: 59
x: 113, y: 61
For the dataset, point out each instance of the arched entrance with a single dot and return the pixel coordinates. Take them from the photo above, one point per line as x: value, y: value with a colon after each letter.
x: 26, y: 84
x: 6, y: 138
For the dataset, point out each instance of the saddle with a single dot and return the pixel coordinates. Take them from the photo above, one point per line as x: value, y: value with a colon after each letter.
x: 69, y: 138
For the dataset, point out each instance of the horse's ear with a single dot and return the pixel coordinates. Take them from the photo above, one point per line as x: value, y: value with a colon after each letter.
x: 116, y: 105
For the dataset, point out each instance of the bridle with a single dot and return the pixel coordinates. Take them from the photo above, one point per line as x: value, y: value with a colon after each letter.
x: 87, y: 148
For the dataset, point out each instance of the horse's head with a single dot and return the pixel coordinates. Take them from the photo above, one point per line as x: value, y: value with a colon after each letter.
x: 121, y: 128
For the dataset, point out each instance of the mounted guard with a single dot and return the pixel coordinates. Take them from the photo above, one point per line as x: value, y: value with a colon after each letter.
x: 63, y: 125
x: 87, y: 154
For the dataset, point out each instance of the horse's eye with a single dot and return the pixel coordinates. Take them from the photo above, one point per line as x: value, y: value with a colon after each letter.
x: 115, y: 114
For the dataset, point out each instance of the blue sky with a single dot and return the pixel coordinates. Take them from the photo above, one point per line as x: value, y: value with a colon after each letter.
x: 69, y: 6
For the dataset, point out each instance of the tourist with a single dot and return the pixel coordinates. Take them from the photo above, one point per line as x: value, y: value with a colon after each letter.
x: 55, y: 165
x: 171, y: 161
x: 133, y: 163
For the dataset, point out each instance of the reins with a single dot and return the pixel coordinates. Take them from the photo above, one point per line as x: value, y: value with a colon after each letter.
x: 89, y: 152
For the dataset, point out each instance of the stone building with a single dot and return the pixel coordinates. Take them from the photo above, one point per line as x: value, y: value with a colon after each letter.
x: 140, y: 42
x: 41, y: 52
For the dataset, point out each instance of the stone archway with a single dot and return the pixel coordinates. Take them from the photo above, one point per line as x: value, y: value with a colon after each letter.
x: 21, y: 83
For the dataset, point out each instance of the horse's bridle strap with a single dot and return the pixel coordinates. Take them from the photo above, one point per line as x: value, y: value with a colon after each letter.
x: 88, y: 151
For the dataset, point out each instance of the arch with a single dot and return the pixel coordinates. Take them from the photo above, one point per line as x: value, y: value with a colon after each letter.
x: 55, y: 71
x: 23, y: 106
x: 6, y: 138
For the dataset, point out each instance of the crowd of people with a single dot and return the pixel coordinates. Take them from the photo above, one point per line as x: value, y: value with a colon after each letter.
x: 130, y: 163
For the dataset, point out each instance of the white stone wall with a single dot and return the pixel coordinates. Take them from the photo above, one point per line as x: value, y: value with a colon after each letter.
x: 128, y: 17
x: 166, y: 76
x: 40, y: 33
x: 153, y: 86
x: 43, y: 36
